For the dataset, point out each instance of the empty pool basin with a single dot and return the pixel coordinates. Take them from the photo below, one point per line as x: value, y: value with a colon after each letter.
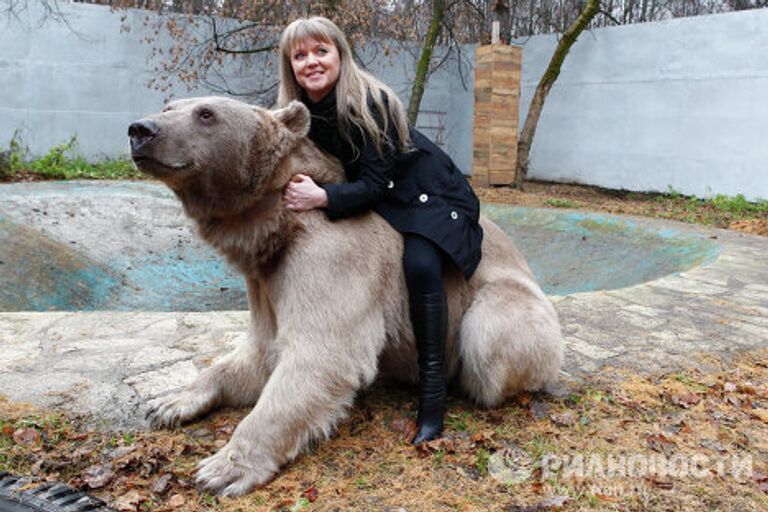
x: 125, y: 246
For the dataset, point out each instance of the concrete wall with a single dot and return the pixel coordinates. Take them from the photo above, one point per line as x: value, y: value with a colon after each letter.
x: 89, y: 79
x: 680, y: 103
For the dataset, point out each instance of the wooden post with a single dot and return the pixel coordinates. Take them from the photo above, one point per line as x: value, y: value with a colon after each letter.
x: 497, y: 104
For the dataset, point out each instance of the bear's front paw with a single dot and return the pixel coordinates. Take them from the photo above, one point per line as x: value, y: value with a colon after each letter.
x: 178, y: 407
x: 232, y: 472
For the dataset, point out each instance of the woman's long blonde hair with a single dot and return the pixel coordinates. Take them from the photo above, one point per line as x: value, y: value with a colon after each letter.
x: 352, y: 89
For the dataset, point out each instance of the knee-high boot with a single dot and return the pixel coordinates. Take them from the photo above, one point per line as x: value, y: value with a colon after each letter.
x: 429, y: 316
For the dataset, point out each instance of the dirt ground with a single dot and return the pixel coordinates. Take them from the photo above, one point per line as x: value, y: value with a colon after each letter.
x: 694, y: 440
x: 668, y: 206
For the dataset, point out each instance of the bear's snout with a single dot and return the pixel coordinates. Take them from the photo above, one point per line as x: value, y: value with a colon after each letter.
x: 141, y: 132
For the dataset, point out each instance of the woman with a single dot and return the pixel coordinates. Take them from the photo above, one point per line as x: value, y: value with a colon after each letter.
x: 392, y: 170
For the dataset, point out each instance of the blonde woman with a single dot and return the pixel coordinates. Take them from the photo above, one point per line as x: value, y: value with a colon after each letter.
x: 391, y: 169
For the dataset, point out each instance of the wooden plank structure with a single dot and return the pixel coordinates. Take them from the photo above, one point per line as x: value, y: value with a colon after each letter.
x: 497, y: 107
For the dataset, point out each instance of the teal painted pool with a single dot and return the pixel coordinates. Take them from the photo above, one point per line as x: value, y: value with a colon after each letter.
x: 40, y: 274
x: 569, y: 252
x: 572, y: 252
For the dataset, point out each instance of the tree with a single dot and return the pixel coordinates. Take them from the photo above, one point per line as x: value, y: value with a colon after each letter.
x: 422, y: 68
x: 591, y: 8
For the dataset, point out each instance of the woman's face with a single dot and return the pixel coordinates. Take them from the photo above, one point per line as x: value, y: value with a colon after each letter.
x: 315, y: 65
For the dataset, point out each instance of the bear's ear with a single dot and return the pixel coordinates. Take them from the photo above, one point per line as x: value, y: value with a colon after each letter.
x: 295, y: 117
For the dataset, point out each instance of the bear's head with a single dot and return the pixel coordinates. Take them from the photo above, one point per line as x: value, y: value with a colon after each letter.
x: 224, y: 153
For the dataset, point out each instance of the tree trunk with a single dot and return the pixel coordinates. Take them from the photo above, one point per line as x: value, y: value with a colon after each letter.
x: 422, y: 68
x: 500, y: 13
x: 545, y: 84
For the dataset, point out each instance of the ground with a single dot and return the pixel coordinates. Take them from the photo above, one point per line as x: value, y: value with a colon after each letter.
x: 691, y: 439
x: 729, y: 213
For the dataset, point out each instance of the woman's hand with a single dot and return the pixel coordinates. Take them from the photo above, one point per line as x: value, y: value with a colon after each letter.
x: 303, y: 194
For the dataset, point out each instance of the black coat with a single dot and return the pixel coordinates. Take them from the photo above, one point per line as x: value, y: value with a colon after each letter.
x: 420, y: 191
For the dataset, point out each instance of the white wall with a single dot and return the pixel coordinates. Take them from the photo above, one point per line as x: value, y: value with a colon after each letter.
x: 88, y: 78
x: 680, y: 103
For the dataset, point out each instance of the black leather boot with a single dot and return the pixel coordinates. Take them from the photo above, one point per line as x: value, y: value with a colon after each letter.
x: 429, y: 316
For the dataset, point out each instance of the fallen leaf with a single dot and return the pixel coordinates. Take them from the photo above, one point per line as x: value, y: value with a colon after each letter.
x: 523, y: 399
x: 226, y: 429
x: 661, y: 443
x: 405, y: 426
x: 627, y: 402
x: 176, y: 501
x: 661, y: 484
x: 686, y: 400
x: 608, y: 498
x: 7, y: 431
x: 464, y: 444
x: 120, y: 452
x: 311, y: 494
x: 160, y: 485
x: 761, y: 414
x: 440, y: 444
x: 483, y: 436
x: 83, y: 452
x: 99, y: 475
x: 26, y: 436
x: 128, y: 502
x: 565, y: 419
x: 747, y: 389
x: 202, y: 433
x: 496, y: 416
x: 729, y: 387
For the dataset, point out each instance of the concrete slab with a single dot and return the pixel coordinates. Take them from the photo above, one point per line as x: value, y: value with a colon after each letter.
x: 107, y: 363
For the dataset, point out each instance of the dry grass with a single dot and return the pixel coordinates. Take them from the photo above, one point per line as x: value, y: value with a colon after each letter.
x: 728, y: 213
x: 369, y: 465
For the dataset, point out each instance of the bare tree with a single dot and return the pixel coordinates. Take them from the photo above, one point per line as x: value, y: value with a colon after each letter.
x: 422, y: 68
x: 591, y: 7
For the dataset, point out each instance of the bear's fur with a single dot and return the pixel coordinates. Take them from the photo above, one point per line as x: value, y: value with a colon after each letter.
x: 328, y: 302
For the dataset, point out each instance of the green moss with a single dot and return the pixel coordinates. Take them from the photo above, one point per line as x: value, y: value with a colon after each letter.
x: 63, y: 162
x: 562, y: 203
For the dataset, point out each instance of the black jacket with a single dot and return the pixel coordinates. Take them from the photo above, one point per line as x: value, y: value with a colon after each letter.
x: 420, y: 191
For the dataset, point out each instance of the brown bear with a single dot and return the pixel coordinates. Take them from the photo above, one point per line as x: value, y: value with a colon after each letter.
x: 329, y: 307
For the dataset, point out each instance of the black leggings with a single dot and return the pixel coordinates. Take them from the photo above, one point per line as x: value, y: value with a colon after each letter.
x: 423, y: 265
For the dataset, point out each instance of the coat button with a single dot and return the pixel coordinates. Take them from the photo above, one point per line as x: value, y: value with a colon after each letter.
x: 454, y: 215
x: 391, y: 184
x: 423, y: 198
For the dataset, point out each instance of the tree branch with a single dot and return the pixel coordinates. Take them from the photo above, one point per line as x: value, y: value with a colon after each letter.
x: 217, y: 40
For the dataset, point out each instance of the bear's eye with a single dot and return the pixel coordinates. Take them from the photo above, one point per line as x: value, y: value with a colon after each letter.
x: 205, y: 114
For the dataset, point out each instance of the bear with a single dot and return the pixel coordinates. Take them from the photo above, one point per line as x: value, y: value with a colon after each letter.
x: 328, y: 302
